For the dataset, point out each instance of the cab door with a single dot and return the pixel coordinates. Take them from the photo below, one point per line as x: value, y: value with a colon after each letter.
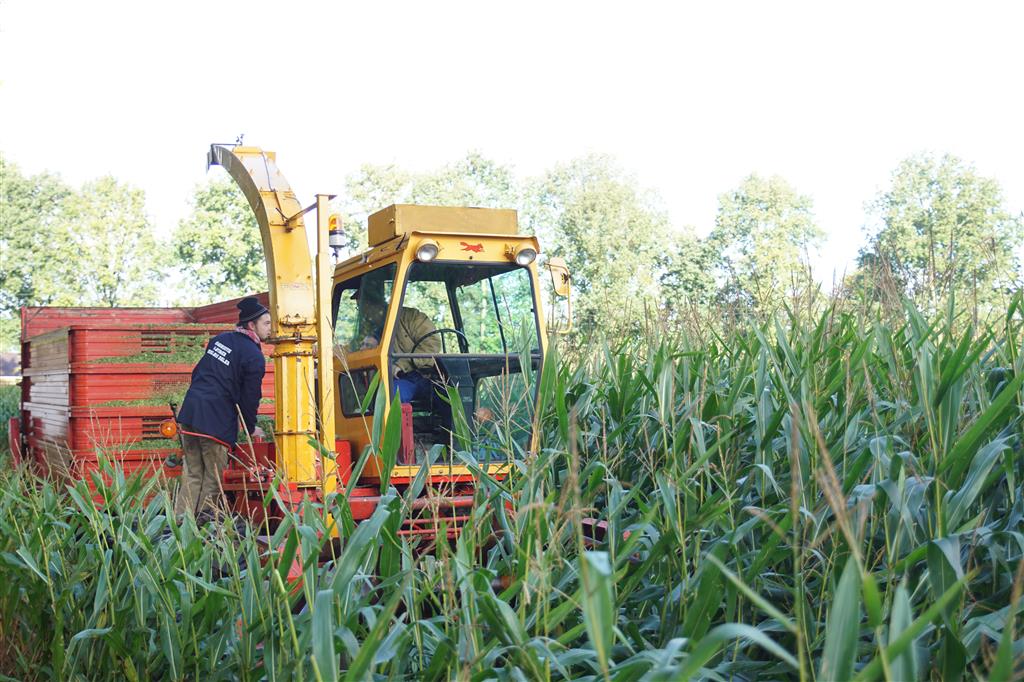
x: 471, y: 334
x: 359, y: 306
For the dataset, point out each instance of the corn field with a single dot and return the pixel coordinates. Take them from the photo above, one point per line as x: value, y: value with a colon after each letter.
x: 833, y: 499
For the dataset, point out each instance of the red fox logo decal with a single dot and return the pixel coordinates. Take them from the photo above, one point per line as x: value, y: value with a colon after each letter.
x: 475, y: 248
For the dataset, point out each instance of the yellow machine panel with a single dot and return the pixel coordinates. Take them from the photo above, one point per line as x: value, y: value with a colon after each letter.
x: 400, y: 219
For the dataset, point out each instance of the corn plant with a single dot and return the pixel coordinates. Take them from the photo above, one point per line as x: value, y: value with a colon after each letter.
x: 827, y: 500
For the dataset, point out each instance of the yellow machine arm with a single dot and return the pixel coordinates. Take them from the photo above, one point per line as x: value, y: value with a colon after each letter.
x: 293, y: 306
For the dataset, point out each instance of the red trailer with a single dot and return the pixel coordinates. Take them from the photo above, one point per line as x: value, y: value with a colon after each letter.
x: 98, y: 382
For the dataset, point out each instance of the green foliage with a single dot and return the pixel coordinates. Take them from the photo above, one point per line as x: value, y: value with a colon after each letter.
x: 147, y: 444
x: 117, y: 260
x: 90, y: 247
x: 942, y: 229
x: 472, y: 181
x: 10, y: 333
x: 827, y: 500
x: 32, y: 237
x: 613, y: 234
x: 627, y: 263
x: 763, y: 237
x: 33, y: 244
x: 625, y: 260
x: 689, y: 272
x: 182, y: 350
x: 219, y: 246
x: 10, y: 403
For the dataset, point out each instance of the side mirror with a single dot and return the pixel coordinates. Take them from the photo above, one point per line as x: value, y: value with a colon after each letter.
x: 560, y: 279
x: 560, y: 317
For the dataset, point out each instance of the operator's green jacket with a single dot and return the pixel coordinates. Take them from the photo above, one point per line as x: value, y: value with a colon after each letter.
x: 412, y: 325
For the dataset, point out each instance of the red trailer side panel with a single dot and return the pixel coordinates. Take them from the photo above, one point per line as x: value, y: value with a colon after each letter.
x: 98, y: 381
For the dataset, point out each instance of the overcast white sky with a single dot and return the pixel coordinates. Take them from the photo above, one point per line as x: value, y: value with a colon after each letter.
x: 689, y: 98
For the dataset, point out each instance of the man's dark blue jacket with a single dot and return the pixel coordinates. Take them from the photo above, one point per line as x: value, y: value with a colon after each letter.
x: 229, y: 374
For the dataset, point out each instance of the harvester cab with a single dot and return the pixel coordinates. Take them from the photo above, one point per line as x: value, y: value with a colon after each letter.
x: 444, y: 310
x: 442, y: 316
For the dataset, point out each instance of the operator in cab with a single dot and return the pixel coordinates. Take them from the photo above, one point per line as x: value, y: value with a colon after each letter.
x: 414, y: 333
x: 226, y: 383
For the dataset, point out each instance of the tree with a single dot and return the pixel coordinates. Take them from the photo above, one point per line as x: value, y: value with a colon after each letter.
x: 612, y: 234
x: 942, y: 229
x: 31, y: 236
x: 58, y: 247
x: 763, y: 235
x: 32, y: 239
x: 219, y: 245
x: 688, y: 277
x: 472, y: 181
x: 115, y: 259
x: 368, y: 191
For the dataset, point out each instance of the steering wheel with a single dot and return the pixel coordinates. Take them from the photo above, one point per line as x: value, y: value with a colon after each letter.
x: 442, y: 330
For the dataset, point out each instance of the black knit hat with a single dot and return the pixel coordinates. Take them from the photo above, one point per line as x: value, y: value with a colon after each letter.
x: 249, y: 309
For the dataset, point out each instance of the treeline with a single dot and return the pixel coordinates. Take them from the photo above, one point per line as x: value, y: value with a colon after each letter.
x: 938, y: 231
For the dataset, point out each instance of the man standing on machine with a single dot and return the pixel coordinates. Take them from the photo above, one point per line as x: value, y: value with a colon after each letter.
x: 225, y: 384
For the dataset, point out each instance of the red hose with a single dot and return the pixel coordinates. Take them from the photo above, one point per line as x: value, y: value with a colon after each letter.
x: 204, y: 435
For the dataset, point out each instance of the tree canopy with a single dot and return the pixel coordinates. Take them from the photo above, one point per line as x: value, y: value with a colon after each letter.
x: 616, y: 237
x: 942, y: 229
x: 33, y: 237
x: 939, y: 229
x: 219, y: 244
x: 117, y: 258
x: 763, y: 239
x: 59, y: 246
x: 470, y: 181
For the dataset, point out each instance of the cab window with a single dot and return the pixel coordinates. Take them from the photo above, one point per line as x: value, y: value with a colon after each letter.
x: 354, y: 389
x: 476, y: 309
x: 360, y: 306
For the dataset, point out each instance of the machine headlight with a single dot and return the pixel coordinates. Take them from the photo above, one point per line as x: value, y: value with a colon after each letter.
x: 426, y: 251
x: 525, y: 254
